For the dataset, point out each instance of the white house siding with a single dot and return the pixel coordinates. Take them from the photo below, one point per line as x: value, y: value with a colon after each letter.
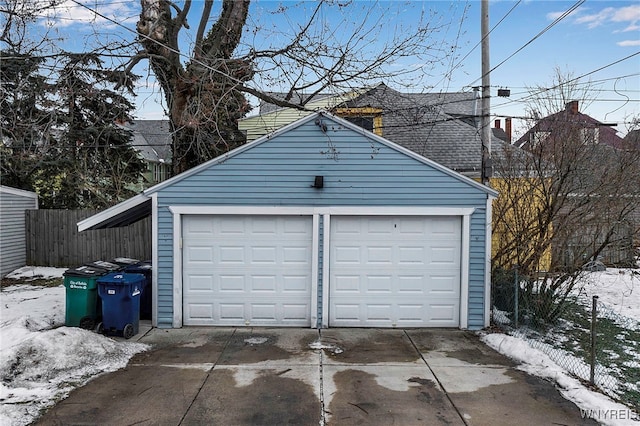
x: 13, y: 203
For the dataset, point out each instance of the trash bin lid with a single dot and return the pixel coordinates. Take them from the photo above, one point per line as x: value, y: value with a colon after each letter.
x: 84, y: 271
x: 141, y: 268
x: 121, y: 278
x: 125, y: 261
x: 105, y: 266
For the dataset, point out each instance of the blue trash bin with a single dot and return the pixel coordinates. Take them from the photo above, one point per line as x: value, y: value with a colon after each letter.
x: 120, y: 293
x: 143, y: 268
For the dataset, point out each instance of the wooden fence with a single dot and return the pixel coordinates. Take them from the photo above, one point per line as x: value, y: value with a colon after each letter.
x: 53, y: 239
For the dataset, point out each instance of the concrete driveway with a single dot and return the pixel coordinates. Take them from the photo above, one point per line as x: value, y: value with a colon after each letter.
x: 269, y: 376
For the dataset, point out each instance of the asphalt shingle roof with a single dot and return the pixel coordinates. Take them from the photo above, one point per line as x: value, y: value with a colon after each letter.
x: 152, y: 139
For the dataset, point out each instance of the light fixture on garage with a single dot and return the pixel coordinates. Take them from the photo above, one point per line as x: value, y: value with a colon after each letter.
x: 318, y: 182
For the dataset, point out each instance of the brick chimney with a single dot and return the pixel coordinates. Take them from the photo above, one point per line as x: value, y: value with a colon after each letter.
x: 507, y: 129
x: 572, y: 107
x: 497, y: 124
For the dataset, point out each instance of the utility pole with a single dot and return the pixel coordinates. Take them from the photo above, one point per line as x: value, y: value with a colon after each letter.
x: 485, y: 134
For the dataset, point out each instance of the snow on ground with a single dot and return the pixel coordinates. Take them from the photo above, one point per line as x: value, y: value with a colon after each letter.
x: 592, y: 404
x: 619, y: 289
x: 41, y: 360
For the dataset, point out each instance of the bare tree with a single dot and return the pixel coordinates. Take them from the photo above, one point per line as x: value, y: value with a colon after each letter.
x: 204, y: 88
x: 568, y: 199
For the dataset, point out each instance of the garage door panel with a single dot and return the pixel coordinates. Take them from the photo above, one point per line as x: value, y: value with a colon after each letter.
x: 295, y: 255
x: 201, y: 311
x: 445, y: 255
x: 393, y: 272
x: 443, y: 313
x: 411, y: 255
x: 258, y: 273
x: 295, y: 284
x: 230, y: 283
x: 413, y: 284
x: 201, y: 283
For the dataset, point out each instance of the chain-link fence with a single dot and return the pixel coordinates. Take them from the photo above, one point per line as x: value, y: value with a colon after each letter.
x: 585, y: 337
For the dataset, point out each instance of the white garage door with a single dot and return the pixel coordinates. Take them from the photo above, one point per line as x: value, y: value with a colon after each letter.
x: 395, y: 271
x: 247, y: 270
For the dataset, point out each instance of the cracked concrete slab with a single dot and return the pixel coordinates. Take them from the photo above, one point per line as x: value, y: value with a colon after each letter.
x: 250, y: 376
x: 133, y: 395
x: 385, y: 395
x: 268, y: 397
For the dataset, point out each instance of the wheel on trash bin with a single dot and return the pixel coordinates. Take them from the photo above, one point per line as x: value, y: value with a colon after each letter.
x: 100, y: 328
x: 127, y: 332
x: 87, y: 323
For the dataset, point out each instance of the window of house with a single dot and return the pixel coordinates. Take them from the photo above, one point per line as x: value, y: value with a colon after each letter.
x: 368, y: 118
x: 537, y: 137
x: 590, y: 136
x: 160, y: 172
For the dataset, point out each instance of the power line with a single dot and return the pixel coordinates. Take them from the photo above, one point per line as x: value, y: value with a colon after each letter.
x: 172, y: 50
x: 480, y: 42
x: 548, y: 27
x: 546, y: 89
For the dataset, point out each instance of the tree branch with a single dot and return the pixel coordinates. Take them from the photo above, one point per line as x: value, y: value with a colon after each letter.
x: 204, y: 18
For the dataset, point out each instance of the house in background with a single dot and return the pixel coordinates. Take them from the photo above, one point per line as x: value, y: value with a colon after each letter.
x: 440, y: 126
x: 319, y: 224
x: 566, y: 121
x: 443, y: 127
x: 593, y: 149
x: 152, y: 141
x: 13, y: 242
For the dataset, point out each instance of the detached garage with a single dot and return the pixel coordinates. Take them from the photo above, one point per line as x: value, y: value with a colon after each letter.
x: 320, y: 224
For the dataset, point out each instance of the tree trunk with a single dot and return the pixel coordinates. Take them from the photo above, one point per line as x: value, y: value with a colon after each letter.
x: 202, y: 101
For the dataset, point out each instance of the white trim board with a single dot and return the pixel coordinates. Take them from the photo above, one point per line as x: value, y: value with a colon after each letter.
x: 315, y: 212
x: 336, y: 211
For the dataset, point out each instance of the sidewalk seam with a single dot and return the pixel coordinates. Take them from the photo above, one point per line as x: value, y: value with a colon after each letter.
x: 207, y: 377
x: 437, y: 380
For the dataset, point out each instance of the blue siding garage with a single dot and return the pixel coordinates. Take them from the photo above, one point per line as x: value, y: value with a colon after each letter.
x: 319, y: 224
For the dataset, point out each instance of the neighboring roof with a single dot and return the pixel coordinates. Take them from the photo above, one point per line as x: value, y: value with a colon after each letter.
x: 571, y: 116
x: 18, y: 192
x: 131, y: 210
x: 440, y: 126
x: 273, y: 117
x: 152, y: 139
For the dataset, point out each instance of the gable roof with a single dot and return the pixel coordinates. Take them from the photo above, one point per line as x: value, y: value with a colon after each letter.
x: 569, y: 120
x: 131, y: 210
x: 440, y: 126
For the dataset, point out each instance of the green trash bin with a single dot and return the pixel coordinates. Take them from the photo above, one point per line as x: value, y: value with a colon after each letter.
x: 83, y: 305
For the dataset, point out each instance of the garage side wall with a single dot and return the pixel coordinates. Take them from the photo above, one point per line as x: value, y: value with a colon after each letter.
x: 357, y: 170
x: 13, y: 245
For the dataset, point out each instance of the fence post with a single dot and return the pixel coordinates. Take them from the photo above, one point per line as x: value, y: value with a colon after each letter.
x: 516, y: 297
x: 594, y: 314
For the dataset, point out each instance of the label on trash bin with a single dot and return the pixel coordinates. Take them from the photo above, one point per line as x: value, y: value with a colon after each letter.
x: 81, y: 285
x: 111, y: 291
x: 136, y: 292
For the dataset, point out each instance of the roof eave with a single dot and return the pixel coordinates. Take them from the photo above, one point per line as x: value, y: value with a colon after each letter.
x: 122, y: 214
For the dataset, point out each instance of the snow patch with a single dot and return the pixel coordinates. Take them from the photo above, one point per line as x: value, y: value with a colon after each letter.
x: 256, y: 340
x: 41, y: 361
x: 539, y: 364
x: 318, y: 345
